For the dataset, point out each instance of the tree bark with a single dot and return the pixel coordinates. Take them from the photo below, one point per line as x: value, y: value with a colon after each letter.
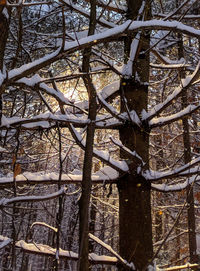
x: 83, y: 262
x: 187, y: 159
x: 4, y: 28
x: 135, y: 223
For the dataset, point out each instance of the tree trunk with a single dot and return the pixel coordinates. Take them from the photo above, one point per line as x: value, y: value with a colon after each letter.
x: 187, y: 159
x: 83, y: 262
x: 4, y: 28
x: 135, y: 224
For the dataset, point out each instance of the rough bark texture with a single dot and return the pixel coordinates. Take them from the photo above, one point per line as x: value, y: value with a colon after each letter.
x: 134, y: 191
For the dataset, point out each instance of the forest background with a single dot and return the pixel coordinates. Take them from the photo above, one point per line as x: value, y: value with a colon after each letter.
x: 99, y: 134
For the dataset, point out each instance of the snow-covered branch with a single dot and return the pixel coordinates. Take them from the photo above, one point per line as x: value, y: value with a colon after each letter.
x: 6, y: 201
x: 177, y: 186
x: 186, y: 83
x: 109, y: 108
x: 161, y: 121
x: 114, y: 253
x: 104, y: 175
x: 185, y: 170
x: 106, y: 36
x: 46, y: 250
x: 104, y: 156
x: 132, y: 154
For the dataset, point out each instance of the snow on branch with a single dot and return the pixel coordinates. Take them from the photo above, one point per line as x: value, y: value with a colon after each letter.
x: 47, y: 120
x: 46, y: 250
x: 49, y: 117
x: 168, y: 62
x: 6, y: 201
x: 27, y: 69
x: 165, y: 25
x: 4, y: 241
x: 188, y: 81
x: 3, y: 150
x: 104, y: 156
x: 161, y: 121
x: 38, y: 223
x: 110, y: 109
x: 109, y: 248
x: 106, y: 36
x: 185, y: 170
x: 110, y: 89
x: 193, y: 78
x: 127, y: 71
x: 37, y: 81
x: 104, y: 175
x: 106, y: 92
x: 132, y: 154
x: 175, y: 187
x: 191, y: 266
x: 71, y: 47
x: 169, y: 66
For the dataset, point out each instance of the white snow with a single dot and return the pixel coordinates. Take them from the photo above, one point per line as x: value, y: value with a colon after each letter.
x: 5, y: 201
x: 191, y: 78
x: 2, y: 149
x: 110, y: 89
x: 101, y: 155
x: 38, y: 223
x: 2, y: 78
x: 28, y: 68
x: 45, y: 249
x: 187, y: 169
x: 5, y: 243
x: 5, y: 13
x: 5, y: 121
x: 109, y: 248
x: 129, y: 25
x: 127, y: 70
x: 160, y: 121
x: 175, y: 187
x: 32, y: 81
x: 104, y: 174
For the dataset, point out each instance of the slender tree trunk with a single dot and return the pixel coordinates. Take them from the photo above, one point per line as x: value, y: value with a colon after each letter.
x: 135, y: 224
x: 187, y: 159
x: 4, y: 28
x: 93, y: 208
x: 83, y: 262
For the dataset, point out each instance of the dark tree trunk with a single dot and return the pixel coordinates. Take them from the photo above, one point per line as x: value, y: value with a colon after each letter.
x: 135, y: 224
x: 3, y: 34
x: 4, y: 27
x: 83, y: 262
x: 187, y: 159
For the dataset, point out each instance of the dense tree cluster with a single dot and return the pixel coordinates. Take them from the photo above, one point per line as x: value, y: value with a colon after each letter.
x: 99, y: 134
